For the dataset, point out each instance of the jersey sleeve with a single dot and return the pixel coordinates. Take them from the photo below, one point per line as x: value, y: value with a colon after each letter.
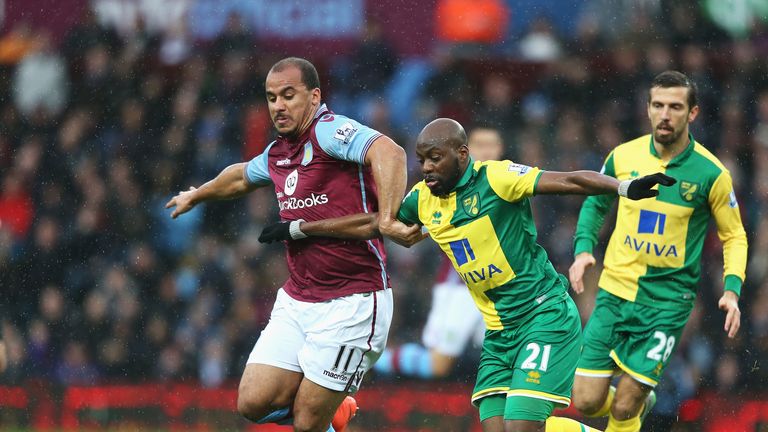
x: 343, y: 138
x: 511, y: 181
x: 257, y: 171
x: 409, y: 209
x: 725, y: 209
x: 592, y: 214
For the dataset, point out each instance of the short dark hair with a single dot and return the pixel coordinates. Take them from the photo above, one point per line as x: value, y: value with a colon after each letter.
x: 309, y: 76
x: 671, y: 78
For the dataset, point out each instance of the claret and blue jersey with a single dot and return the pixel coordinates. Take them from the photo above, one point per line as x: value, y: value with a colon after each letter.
x: 322, y: 175
x: 486, y: 228
x: 654, y: 253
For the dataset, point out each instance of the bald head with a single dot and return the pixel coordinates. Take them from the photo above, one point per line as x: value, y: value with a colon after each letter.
x: 441, y: 148
x: 442, y: 132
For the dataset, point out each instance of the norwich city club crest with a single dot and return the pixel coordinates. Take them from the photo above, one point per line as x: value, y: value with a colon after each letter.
x: 688, y: 190
x: 471, y: 205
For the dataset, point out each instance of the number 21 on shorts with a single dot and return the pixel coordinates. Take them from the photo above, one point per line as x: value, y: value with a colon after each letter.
x: 663, y: 349
x: 533, y: 361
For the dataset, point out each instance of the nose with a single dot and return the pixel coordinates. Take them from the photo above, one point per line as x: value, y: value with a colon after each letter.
x: 427, y: 167
x: 279, y: 104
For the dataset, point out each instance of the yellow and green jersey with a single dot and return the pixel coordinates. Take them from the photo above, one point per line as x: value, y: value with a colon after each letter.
x: 654, y: 252
x: 486, y: 228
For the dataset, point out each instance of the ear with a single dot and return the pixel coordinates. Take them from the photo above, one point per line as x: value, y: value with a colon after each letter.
x: 315, y: 97
x: 693, y: 113
x: 463, y: 153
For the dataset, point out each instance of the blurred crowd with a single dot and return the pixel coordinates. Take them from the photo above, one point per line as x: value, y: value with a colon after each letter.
x: 98, y: 130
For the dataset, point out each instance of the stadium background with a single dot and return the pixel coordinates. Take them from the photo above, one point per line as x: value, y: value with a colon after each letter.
x: 116, y: 316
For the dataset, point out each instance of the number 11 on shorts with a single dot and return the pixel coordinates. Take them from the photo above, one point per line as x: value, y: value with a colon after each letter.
x: 340, y: 355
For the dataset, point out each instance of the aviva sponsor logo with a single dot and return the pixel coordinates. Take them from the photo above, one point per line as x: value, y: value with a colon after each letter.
x: 651, y: 222
x: 463, y: 254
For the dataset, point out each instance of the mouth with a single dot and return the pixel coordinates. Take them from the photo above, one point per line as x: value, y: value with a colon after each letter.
x: 665, y: 128
x: 431, y: 182
x: 282, y: 120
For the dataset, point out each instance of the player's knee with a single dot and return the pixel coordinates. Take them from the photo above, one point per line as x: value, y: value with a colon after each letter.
x: 251, y: 408
x: 254, y: 406
x: 587, y: 401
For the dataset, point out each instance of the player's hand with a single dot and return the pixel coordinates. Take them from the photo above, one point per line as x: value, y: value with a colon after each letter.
x: 729, y: 303
x: 183, y: 202
x: 640, y: 188
x: 402, y: 234
x: 576, y: 272
x: 278, y: 231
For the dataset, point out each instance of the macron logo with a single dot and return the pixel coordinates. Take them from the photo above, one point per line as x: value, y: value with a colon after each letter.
x: 282, y: 162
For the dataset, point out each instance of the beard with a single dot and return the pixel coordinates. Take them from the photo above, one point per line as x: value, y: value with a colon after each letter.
x: 668, y: 139
x: 446, y: 184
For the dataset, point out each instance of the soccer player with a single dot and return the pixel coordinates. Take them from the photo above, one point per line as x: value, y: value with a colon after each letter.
x: 330, y: 320
x: 480, y: 215
x: 444, y: 337
x: 651, y: 266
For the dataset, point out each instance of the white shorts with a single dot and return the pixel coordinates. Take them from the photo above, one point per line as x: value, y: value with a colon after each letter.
x: 453, y: 320
x: 333, y: 343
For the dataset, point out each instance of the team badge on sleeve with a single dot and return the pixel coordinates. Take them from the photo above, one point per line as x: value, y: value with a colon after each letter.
x: 345, y: 133
x: 518, y: 168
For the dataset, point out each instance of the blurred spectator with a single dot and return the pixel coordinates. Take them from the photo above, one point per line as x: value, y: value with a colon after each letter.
x: 41, y: 81
x: 235, y: 37
x: 17, y: 43
x: 373, y: 61
x: 76, y: 367
x: 175, y: 45
x: 540, y: 44
x: 614, y: 18
x: 86, y: 34
x: 498, y: 105
x: 16, y: 205
x: 471, y: 21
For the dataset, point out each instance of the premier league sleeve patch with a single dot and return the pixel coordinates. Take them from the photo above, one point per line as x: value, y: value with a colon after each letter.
x: 518, y: 168
x: 345, y: 132
x: 732, y: 200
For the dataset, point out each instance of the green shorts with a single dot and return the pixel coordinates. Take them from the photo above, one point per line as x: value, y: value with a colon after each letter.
x: 637, y: 339
x: 534, y: 361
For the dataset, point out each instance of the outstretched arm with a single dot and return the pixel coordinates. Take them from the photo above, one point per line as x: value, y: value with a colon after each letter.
x: 361, y: 226
x: 230, y: 183
x: 594, y: 183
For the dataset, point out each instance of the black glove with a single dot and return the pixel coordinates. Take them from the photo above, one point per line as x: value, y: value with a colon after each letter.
x: 640, y: 188
x: 278, y: 231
